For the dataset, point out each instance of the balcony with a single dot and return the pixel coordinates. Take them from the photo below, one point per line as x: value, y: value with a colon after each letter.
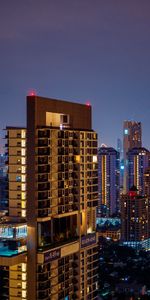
x: 43, y: 160
x: 43, y: 143
x: 43, y: 295
x: 43, y: 169
x: 43, y: 151
x: 43, y: 178
x: 43, y: 277
x: 43, y: 213
x: 43, y: 133
x: 44, y: 285
x: 43, y: 204
x: 42, y: 195
x: 43, y: 186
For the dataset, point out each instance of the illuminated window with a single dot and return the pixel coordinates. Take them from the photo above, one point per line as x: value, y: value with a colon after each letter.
x: 24, y: 276
x: 23, y: 160
x: 23, y: 196
x: 23, y: 134
x: 23, y: 178
x: 23, y: 169
x: 23, y: 213
x: 126, y: 131
x: 24, y: 285
x: 24, y: 294
x: 94, y: 159
x: 23, y: 187
x: 77, y: 158
x: 24, y: 267
x: 23, y: 204
x: 23, y: 152
x: 23, y: 143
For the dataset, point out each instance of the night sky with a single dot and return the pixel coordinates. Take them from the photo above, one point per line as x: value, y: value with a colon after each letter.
x: 78, y: 50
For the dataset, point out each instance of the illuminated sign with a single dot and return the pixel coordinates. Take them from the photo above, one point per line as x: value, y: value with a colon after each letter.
x: 126, y: 131
x: 52, y: 255
x: 88, y: 240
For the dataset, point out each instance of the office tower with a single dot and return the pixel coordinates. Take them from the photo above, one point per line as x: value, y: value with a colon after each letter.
x: 13, y: 227
x: 62, y: 197
x: 147, y: 182
x: 135, y: 219
x: 108, y: 181
x: 132, y: 137
x: 138, y: 162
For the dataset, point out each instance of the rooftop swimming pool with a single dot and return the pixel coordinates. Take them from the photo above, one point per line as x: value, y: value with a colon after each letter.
x: 7, y: 252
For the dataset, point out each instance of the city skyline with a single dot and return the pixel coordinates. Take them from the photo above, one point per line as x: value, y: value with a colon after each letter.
x: 78, y: 51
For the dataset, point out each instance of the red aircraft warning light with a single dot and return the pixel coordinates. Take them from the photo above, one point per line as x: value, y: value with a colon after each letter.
x: 32, y: 93
x: 88, y: 103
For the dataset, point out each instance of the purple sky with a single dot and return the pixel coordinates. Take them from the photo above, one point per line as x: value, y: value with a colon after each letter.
x: 97, y: 50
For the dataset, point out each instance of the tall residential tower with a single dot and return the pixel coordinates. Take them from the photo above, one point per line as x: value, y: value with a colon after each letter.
x: 108, y: 181
x: 48, y: 240
x: 138, y: 162
x: 62, y: 193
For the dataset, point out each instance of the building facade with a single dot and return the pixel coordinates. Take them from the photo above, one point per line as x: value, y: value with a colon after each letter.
x: 138, y: 162
x: 62, y: 192
x: 13, y: 227
x: 135, y: 220
x: 108, y: 181
x: 147, y: 182
x: 48, y: 240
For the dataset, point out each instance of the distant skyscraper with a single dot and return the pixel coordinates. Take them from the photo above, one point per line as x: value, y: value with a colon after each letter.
x: 120, y: 147
x: 120, y: 150
x: 135, y: 219
x: 132, y: 137
x: 108, y: 178
x: 138, y: 162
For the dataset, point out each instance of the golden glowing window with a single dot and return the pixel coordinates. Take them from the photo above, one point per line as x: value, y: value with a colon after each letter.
x: 24, y: 294
x: 23, y: 204
x: 23, y: 196
x: 23, y: 143
x: 23, y: 160
x: 23, y: 187
x: 23, y: 169
x: 23, y: 134
x: 24, y: 276
x: 77, y: 158
x: 23, y: 178
x: 95, y: 159
x: 24, y: 285
x: 23, y: 213
x: 24, y: 267
x: 23, y: 152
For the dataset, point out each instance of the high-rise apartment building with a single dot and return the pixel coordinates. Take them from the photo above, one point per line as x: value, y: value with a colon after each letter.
x: 135, y: 220
x: 132, y: 137
x: 58, y: 194
x: 62, y: 193
x: 108, y: 181
x: 138, y: 162
x: 13, y: 227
